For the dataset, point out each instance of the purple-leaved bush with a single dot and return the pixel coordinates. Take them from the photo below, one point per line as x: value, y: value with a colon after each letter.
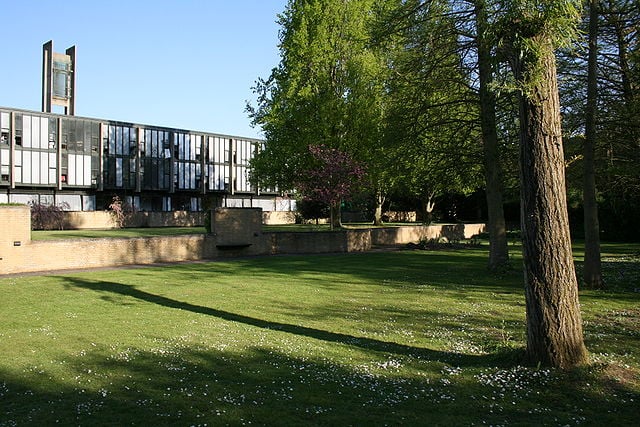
x: 332, y: 177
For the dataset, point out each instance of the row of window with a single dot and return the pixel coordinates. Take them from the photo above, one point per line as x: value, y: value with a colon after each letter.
x: 55, y: 150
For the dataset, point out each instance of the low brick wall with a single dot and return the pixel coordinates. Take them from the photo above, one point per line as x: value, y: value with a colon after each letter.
x: 90, y: 253
x: 407, y: 234
x: 321, y: 242
x: 278, y: 217
x: 104, y: 219
x: 18, y: 254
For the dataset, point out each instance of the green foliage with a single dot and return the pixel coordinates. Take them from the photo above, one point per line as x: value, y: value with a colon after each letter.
x: 312, y: 209
x: 527, y: 30
x: 363, y: 339
x: 432, y: 118
x: 617, y: 120
x: 326, y: 90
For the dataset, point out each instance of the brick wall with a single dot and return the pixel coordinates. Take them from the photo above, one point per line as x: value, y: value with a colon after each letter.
x: 36, y: 256
x: 103, y: 219
x: 15, y: 236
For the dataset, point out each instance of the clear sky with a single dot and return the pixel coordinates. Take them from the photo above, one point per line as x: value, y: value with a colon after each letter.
x: 186, y: 64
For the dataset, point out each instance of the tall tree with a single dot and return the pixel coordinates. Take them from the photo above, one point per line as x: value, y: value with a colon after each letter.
x: 326, y: 90
x: 530, y: 33
x: 619, y: 115
x: 432, y: 110
x: 498, y: 245
x: 592, y: 275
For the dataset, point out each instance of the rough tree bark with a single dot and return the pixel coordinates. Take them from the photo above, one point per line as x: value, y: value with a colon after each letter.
x: 554, y: 323
x: 498, y: 244
x: 592, y: 274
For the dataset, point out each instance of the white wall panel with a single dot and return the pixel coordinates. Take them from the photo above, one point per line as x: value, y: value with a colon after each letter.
x: 26, y: 131
x: 79, y: 170
x: 25, y: 199
x: 44, y: 133
x: 87, y: 170
x: 35, y: 132
x: 4, y: 157
x: 71, y: 170
x: 35, y: 167
x: 44, y: 168
x: 74, y: 201
x: 26, y: 163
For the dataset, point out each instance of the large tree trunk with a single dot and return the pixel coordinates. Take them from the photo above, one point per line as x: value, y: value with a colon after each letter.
x: 498, y: 244
x: 592, y: 275
x: 554, y: 323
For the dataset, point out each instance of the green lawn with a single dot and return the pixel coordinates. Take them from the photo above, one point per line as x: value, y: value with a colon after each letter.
x: 116, y: 232
x: 407, y: 337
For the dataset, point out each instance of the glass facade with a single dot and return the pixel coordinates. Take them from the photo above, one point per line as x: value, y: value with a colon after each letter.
x: 161, y: 168
x: 155, y: 165
x: 35, y: 160
x: 79, y: 152
x: 61, y: 75
x: 119, y: 157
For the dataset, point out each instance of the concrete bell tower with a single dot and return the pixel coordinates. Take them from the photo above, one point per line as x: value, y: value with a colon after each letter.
x: 58, y: 79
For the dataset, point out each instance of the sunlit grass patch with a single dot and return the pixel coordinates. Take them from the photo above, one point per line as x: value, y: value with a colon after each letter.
x: 416, y: 337
x: 114, y: 233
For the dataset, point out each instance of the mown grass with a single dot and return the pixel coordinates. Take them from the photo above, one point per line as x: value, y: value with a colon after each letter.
x: 406, y: 337
x: 114, y: 233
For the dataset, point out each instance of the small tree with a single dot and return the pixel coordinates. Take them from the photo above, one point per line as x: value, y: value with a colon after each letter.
x: 331, y: 178
x: 120, y: 211
x: 47, y: 217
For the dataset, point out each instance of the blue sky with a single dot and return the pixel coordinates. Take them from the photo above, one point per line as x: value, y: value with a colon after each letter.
x: 186, y: 63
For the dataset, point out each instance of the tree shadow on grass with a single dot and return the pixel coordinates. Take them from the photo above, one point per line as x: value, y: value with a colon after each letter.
x: 179, y: 384
x: 505, y: 356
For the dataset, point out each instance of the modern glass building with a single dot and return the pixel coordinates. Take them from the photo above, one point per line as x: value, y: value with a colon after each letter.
x: 85, y: 162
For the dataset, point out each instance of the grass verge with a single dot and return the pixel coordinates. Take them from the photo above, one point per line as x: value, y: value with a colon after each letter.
x: 409, y: 337
x: 114, y: 233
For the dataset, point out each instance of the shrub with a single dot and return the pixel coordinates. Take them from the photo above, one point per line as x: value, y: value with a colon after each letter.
x: 47, y: 217
x: 312, y: 209
x: 120, y: 211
